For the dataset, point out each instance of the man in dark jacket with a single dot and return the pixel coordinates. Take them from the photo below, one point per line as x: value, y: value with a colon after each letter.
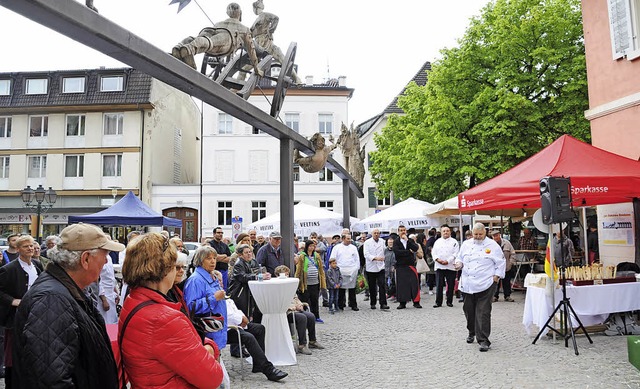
x: 15, y: 279
x: 60, y: 339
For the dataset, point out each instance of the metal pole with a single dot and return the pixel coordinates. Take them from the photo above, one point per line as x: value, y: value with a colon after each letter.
x: 286, y: 201
x: 38, y: 211
x: 346, y: 204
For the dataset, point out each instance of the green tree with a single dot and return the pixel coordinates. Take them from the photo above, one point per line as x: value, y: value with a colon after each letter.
x: 516, y: 82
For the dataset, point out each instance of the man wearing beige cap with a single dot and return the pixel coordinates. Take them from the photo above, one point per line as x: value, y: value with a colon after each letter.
x: 60, y: 337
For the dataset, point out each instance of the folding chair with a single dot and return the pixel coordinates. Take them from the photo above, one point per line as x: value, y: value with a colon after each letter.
x: 237, y: 329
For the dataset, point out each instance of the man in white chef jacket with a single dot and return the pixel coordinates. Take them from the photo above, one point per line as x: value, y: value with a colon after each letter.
x: 483, y: 265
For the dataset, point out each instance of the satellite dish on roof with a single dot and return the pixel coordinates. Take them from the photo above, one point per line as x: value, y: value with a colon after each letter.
x: 537, y: 221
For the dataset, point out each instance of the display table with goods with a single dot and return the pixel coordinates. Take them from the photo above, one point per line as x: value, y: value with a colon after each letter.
x: 273, y: 297
x: 592, y: 303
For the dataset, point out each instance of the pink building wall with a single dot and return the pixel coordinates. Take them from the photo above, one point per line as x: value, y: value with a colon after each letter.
x: 615, y: 124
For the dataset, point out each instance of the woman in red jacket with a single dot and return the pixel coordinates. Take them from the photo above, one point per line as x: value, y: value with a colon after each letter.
x: 159, y: 346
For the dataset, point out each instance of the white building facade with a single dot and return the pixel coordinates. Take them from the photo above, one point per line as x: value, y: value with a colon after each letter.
x: 86, y: 133
x: 240, y: 166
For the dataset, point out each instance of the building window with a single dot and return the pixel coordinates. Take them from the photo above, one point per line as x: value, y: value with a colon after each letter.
x: 75, y: 125
x: 326, y: 174
x: 5, y: 87
x: 4, y: 167
x: 328, y: 205
x: 375, y: 202
x: 5, y: 127
x: 39, y: 126
x: 113, y: 123
x: 111, y: 83
x: 258, y: 210
x: 325, y: 123
x: 37, y: 166
x: 225, y: 124
x: 224, y: 213
x: 292, y: 120
x: 73, y: 84
x: 112, y: 165
x: 296, y: 172
x: 74, y: 166
x: 36, y: 86
x: 624, y: 23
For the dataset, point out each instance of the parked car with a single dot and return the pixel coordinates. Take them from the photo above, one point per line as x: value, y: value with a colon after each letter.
x: 4, y: 244
x: 192, y: 247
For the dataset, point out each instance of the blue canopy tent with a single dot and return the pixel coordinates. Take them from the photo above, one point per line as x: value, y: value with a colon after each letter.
x: 128, y: 211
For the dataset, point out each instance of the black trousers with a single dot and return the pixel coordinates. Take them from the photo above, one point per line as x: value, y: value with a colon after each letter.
x: 450, y: 277
x: 352, y: 298
x: 311, y: 296
x: 477, y: 310
x: 253, y: 339
x: 376, y: 281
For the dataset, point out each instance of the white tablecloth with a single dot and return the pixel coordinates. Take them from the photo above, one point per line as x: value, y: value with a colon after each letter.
x: 592, y: 304
x: 273, y: 298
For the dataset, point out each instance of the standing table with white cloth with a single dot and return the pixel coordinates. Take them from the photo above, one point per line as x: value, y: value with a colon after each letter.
x: 592, y: 303
x: 273, y: 297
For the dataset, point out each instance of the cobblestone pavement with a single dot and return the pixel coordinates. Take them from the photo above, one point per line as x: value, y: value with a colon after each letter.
x: 426, y: 348
x: 420, y: 348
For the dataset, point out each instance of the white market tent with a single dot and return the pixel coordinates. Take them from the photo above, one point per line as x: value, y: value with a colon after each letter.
x: 409, y: 213
x: 306, y: 219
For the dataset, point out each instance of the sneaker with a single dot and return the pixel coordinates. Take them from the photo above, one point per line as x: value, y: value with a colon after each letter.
x: 509, y: 299
x: 315, y: 344
x: 470, y: 339
x: 318, y: 320
x: 303, y: 349
x: 332, y: 311
x: 495, y: 299
x: 484, y: 347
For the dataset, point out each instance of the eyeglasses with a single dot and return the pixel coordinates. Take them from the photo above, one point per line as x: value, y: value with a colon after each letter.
x: 178, y: 267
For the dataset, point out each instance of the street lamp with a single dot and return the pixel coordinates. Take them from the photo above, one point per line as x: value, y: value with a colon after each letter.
x: 34, y: 199
x: 114, y: 192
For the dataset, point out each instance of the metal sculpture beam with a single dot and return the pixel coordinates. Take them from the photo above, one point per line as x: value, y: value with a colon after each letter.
x: 81, y: 24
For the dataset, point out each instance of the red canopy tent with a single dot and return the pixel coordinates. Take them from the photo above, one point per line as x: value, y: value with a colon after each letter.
x: 597, y: 177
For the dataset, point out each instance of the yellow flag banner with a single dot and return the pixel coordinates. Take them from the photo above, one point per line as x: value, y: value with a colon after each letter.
x: 547, y: 262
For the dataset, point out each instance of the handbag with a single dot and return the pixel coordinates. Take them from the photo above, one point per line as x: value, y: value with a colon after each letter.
x: 421, y: 266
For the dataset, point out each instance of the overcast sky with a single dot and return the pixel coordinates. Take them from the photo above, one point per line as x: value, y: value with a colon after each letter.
x: 378, y: 45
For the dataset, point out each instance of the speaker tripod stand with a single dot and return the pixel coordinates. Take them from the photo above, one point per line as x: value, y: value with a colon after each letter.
x: 566, y: 310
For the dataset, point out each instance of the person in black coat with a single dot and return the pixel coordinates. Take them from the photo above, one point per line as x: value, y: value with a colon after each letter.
x: 407, y: 278
x: 15, y: 279
x: 60, y: 339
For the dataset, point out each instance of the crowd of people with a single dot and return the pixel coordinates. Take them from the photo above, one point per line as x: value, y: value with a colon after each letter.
x: 175, y: 315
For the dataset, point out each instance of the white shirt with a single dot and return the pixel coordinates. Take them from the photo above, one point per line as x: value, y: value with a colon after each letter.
x: 108, y: 286
x: 481, y: 261
x: 234, y: 315
x: 374, y: 249
x: 445, y: 250
x: 346, y: 256
x: 31, y: 271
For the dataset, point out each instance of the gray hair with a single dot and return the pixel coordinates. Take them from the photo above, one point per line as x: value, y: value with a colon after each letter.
x: 240, y: 248
x: 53, y: 238
x: 478, y: 227
x: 66, y: 259
x: 182, y: 259
x: 201, y: 253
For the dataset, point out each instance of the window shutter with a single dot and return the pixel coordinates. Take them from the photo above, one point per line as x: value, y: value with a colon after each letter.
x: 373, y: 202
x: 620, y: 25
